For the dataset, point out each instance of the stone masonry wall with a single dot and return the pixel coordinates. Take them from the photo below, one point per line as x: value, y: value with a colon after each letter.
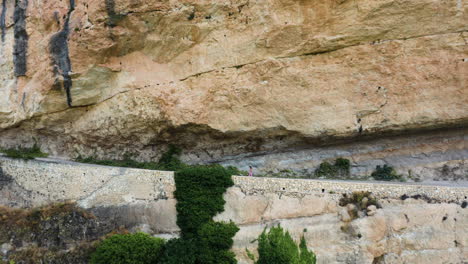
x: 431, y: 228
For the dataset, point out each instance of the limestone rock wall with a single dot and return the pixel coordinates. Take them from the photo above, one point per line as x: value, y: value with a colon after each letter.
x: 430, y: 156
x: 416, y: 224
x: 223, y: 78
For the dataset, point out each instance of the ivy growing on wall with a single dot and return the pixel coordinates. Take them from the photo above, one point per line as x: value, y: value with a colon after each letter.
x: 199, y: 193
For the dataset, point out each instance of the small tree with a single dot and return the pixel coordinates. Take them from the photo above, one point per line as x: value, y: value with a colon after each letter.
x: 278, y: 247
x: 341, y: 169
x: 386, y: 173
x: 138, y: 248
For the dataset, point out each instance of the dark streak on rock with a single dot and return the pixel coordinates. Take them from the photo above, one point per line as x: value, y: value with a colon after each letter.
x: 4, y: 179
x: 21, y: 37
x: 2, y: 20
x: 58, y: 48
x: 113, y: 17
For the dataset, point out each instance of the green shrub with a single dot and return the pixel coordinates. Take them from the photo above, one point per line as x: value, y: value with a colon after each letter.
x: 24, y: 153
x: 138, y: 248
x: 386, y: 173
x: 170, y: 159
x: 340, y: 169
x: 343, y: 166
x: 174, y: 247
x: 215, y: 240
x: 199, y: 193
x: 278, y: 247
x: 210, y: 246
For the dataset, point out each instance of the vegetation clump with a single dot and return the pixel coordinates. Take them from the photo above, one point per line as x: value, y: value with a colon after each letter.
x: 199, y: 193
x: 359, y: 202
x: 138, y: 248
x: 24, y: 153
x: 386, y: 173
x: 341, y: 169
x: 278, y: 247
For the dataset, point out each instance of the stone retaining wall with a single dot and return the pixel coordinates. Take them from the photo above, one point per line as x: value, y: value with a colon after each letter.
x: 49, y: 180
x: 403, y: 231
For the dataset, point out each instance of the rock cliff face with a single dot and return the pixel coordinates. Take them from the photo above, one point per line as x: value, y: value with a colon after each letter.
x: 225, y: 78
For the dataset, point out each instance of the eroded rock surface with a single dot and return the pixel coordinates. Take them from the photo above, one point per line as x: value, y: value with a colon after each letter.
x: 224, y: 78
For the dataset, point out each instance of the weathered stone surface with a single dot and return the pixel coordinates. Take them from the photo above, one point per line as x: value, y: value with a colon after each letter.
x: 226, y: 78
x: 432, y: 226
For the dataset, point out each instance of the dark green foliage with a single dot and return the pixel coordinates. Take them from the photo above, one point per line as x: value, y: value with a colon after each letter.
x: 210, y: 246
x: 180, y: 251
x: 215, y: 240
x: 340, y: 169
x: 386, y: 173
x: 235, y: 171
x: 278, y: 247
x: 325, y: 169
x: 170, y: 161
x: 343, y: 166
x: 199, y: 193
x: 138, y: 248
x: 24, y: 153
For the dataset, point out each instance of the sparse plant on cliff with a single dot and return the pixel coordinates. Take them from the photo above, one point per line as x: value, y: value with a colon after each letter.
x: 199, y: 193
x: 24, y: 153
x: 138, y: 248
x: 340, y: 169
x: 277, y: 247
x: 359, y: 203
x: 169, y: 161
x: 386, y: 173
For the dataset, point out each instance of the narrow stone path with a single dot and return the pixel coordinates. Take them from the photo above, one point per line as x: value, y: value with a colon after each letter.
x: 458, y: 184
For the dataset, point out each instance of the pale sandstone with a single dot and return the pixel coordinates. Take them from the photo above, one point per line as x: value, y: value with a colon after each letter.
x: 227, y: 78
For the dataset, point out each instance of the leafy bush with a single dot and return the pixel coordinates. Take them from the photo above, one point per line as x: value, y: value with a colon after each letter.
x: 24, y: 153
x: 277, y: 247
x: 386, y: 173
x: 343, y: 165
x: 210, y: 246
x: 180, y: 251
x: 215, y: 240
x: 138, y: 248
x: 199, y: 193
x: 341, y: 168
